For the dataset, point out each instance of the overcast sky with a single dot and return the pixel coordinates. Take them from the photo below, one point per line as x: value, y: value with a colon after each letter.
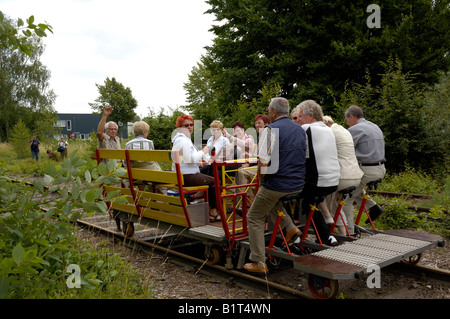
x: 149, y: 46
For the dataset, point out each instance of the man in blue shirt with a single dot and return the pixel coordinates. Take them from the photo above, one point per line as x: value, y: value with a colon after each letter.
x: 281, y: 153
x: 369, y: 149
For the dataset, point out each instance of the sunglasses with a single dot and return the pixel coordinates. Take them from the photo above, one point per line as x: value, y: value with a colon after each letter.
x: 188, y: 125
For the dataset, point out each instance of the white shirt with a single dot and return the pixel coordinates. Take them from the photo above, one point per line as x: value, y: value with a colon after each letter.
x: 189, y: 154
x: 141, y: 143
x: 221, y: 142
x: 322, y: 165
x: 346, y: 153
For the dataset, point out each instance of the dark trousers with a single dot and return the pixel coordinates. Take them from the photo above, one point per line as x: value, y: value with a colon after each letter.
x: 309, y: 194
x: 202, y: 179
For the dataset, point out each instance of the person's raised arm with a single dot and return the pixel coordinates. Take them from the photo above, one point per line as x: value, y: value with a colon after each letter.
x: 101, y: 125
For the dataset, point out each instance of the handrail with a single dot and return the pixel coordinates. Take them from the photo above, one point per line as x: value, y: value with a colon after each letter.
x: 221, y: 194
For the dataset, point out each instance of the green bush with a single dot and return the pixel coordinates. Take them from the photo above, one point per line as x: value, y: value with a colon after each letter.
x: 397, y: 215
x: 410, y: 181
x: 37, y: 247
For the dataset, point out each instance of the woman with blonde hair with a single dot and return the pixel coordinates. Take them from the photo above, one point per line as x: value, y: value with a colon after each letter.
x: 217, y: 140
x: 140, y: 142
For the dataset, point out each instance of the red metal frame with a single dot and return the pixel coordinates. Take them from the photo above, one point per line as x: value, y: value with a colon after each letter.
x: 231, y: 236
x: 338, y: 214
x: 277, y: 228
x: 309, y: 220
x: 181, y: 193
x: 363, y: 208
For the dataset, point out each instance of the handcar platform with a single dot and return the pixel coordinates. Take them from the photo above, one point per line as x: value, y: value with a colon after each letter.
x: 208, y: 232
x: 351, y: 259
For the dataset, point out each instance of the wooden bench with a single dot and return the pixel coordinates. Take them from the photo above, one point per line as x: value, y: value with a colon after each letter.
x: 153, y: 204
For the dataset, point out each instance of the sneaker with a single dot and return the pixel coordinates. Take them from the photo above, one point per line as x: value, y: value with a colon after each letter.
x: 332, y: 241
x: 256, y: 267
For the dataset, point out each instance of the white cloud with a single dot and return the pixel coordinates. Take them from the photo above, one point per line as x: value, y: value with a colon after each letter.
x: 148, y: 46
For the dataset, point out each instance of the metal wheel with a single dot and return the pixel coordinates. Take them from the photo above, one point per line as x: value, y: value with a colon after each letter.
x: 323, y: 288
x: 213, y: 255
x: 413, y: 260
x: 275, y: 261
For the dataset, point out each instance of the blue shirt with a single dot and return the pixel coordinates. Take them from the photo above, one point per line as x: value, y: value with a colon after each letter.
x: 283, y: 142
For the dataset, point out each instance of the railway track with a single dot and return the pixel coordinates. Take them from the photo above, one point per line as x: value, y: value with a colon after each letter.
x: 261, y: 283
x: 275, y: 284
x: 270, y: 286
x: 407, y: 196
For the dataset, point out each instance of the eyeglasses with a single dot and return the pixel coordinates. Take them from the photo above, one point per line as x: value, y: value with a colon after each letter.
x: 112, y: 129
x: 188, y: 125
x: 294, y: 117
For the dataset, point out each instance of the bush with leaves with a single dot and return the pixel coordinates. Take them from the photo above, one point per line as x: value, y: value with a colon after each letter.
x: 36, y: 247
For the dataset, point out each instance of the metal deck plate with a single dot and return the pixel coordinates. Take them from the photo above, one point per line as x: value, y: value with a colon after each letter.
x: 379, y: 249
x: 208, y: 232
x: 350, y: 258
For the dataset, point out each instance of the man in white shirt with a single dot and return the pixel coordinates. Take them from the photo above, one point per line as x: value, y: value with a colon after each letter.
x: 322, y: 165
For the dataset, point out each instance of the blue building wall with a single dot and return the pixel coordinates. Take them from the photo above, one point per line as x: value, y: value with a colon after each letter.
x: 81, y: 126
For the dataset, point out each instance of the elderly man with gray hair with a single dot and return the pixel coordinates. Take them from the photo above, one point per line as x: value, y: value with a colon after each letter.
x: 281, y: 154
x: 370, y: 152
x: 322, y: 165
x: 110, y: 139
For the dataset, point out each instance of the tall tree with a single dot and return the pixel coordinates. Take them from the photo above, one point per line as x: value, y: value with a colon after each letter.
x: 312, y: 47
x: 24, y: 80
x: 119, y: 97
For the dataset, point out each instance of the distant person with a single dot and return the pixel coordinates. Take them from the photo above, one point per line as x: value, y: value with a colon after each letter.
x: 110, y: 140
x: 62, y: 148
x: 34, y: 145
x: 369, y: 149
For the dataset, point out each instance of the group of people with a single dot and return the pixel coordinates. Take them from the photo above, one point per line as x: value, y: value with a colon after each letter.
x: 318, y: 160
x: 307, y: 154
x: 34, y: 147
